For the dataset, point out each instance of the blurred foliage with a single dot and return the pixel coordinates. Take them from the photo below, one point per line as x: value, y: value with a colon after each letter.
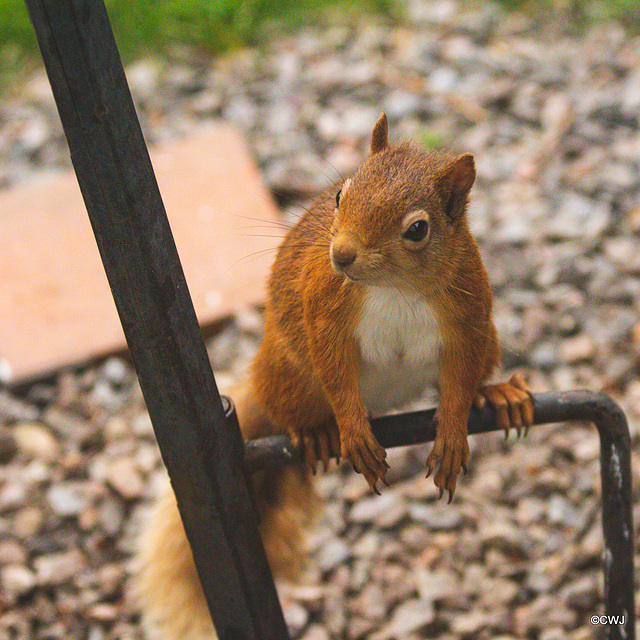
x: 626, y: 10
x: 218, y: 25
x: 582, y: 12
x: 432, y: 139
x: 213, y: 25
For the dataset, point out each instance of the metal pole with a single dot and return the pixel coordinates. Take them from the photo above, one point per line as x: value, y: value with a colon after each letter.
x: 201, y: 449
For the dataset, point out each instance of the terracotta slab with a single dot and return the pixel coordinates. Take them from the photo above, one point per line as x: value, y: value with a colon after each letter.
x: 56, y: 305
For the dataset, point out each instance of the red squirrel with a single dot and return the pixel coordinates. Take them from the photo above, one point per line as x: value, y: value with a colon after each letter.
x: 377, y: 291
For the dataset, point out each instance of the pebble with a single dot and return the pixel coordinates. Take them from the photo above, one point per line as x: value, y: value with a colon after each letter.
x: 116, y: 371
x: 315, y: 632
x: 544, y: 356
x: 295, y: 616
x: 56, y: 568
x: 577, y: 349
x: 12, y: 552
x: 27, y: 522
x: 581, y: 594
x: 68, y: 425
x: 560, y: 511
x: 17, y: 580
x: 67, y: 498
x: 371, y: 603
x: 502, y: 536
x: 436, y: 586
x: 469, y: 623
x: 437, y: 518
x: 13, y: 494
x: 111, y: 516
x: 371, y: 509
x: 332, y: 554
x: 35, y: 440
x: 408, y: 617
x: 125, y: 478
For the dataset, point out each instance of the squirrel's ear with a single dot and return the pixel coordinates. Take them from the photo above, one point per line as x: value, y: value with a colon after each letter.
x: 379, y: 137
x: 457, y: 179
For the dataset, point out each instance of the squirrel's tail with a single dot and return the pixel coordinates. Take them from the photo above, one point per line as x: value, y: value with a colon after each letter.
x: 167, y: 586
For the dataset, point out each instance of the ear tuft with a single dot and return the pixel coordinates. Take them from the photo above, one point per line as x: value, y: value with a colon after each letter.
x: 458, y: 177
x: 380, y: 135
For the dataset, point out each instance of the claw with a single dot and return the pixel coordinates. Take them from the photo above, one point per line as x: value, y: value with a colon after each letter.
x: 441, y: 492
x: 365, y: 454
x: 429, y: 471
x: 512, y: 402
x: 451, y: 492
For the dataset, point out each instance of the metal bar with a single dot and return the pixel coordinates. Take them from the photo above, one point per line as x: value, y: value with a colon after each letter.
x: 201, y: 449
x: 615, y: 470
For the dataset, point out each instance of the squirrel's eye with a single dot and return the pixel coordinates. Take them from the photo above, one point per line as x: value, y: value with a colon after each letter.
x: 417, y: 231
x: 338, y: 197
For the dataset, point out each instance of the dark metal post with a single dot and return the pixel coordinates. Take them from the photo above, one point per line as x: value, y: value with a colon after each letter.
x: 615, y: 473
x: 615, y: 470
x: 201, y: 450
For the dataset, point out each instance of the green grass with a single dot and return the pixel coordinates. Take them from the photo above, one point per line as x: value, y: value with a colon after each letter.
x: 584, y: 12
x: 213, y: 26
x: 143, y: 26
x: 153, y: 26
x: 217, y: 25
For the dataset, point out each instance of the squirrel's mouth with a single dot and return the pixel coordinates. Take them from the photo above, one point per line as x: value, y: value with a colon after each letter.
x: 345, y: 271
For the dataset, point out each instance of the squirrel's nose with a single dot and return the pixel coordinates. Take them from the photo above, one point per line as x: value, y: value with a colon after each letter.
x: 343, y: 253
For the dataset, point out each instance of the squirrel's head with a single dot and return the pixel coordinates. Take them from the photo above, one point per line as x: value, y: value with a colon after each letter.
x: 397, y: 220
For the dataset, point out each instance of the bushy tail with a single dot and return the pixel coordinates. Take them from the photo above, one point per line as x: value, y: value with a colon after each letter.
x: 167, y: 586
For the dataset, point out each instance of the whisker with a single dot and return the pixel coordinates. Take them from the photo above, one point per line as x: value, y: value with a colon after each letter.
x: 253, y: 235
x: 252, y: 256
x: 335, y: 169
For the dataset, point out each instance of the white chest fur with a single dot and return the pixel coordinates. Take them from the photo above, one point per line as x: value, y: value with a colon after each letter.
x: 399, y: 346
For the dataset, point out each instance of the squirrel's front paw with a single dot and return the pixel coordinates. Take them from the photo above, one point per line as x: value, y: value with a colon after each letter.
x: 453, y: 455
x: 321, y: 443
x: 367, y: 457
x: 512, y: 401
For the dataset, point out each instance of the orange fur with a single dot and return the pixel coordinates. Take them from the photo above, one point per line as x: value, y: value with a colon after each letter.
x: 307, y: 370
x: 400, y: 224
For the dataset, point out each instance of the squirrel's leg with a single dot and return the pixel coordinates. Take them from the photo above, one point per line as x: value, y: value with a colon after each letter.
x: 467, y: 359
x: 358, y: 445
x: 512, y: 402
x: 450, y: 447
x: 295, y: 402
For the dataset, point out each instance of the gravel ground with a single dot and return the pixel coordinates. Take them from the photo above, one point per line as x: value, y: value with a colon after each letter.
x: 553, y: 119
